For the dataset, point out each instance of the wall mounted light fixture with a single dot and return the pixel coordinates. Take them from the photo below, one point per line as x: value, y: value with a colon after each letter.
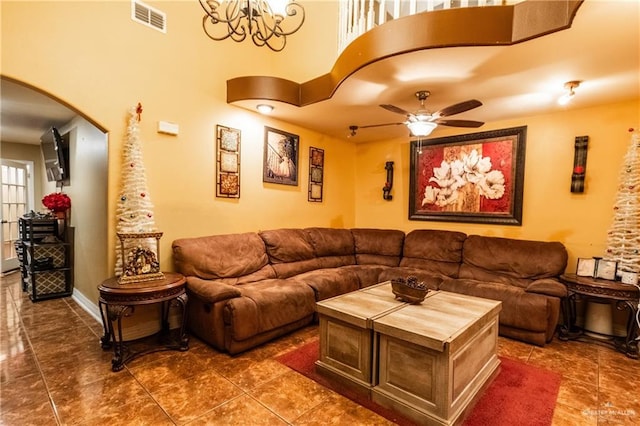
x: 569, y: 87
x: 386, y: 189
x: 267, y: 22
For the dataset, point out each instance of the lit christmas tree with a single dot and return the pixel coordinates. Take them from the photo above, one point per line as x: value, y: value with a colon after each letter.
x: 135, y: 210
x: 623, y: 242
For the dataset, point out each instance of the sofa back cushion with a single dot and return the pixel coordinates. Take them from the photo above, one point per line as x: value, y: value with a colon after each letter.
x: 439, y: 252
x: 290, y: 252
x: 333, y: 247
x: 378, y: 246
x: 230, y: 257
x: 507, y: 260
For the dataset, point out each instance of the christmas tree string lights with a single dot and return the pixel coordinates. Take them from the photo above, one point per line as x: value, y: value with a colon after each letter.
x: 623, y: 238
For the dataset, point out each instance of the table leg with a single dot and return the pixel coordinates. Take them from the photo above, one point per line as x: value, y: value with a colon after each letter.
x: 115, y: 313
x: 568, y: 329
x: 105, y: 340
x: 184, y: 338
x: 630, y: 345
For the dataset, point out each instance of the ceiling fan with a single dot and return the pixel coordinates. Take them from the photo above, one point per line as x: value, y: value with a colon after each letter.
x: 422, y: 122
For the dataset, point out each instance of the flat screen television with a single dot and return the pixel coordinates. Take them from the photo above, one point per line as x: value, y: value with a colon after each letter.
x: 55, y: 152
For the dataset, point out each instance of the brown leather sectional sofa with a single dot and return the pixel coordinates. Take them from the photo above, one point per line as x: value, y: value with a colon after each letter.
x: 246, y: 289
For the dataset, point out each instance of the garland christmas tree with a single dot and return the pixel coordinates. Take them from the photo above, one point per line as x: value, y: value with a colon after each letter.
x: 135, y: 210
x: 623, y: 241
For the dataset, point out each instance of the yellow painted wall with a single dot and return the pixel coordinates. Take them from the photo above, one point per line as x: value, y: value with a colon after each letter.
x: 94, y: 57
x: 550, y: 210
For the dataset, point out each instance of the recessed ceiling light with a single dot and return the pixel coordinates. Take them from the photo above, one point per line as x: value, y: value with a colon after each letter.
x: 264, y: 108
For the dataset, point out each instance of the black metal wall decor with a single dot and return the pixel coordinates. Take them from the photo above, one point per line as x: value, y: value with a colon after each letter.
x: 579, y: 164
x: 386, y: 189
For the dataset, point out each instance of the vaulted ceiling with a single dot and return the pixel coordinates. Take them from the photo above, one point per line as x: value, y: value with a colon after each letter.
x: 601, y: 48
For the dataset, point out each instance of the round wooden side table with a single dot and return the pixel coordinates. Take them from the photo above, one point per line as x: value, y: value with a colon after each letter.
x: 624, y: 296
x: 119, y: 300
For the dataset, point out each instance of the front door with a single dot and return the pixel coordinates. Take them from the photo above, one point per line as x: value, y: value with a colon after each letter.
x: 14, y: 204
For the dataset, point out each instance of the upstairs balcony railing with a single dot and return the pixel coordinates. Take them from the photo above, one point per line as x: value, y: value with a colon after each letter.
x: 360, y: 16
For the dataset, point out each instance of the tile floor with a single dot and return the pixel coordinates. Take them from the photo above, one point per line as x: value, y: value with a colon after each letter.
x: 53, y: 371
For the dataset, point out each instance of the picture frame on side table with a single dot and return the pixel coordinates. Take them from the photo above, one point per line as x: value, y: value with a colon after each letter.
x: 316, y: 174
x: 586, y: 267
x: 477, y: 177
x: 227, y: 162
x: 280, y: 161
x: 607, y: 269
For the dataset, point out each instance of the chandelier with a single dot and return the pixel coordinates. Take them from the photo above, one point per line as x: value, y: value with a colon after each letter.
x: 268, y: 22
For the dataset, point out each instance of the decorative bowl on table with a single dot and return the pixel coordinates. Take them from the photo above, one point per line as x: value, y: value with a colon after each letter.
x: 409, y: 290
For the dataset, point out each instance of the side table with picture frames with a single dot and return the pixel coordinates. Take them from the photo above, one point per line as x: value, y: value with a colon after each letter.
x: 119, y: 299
x: 625, y: 297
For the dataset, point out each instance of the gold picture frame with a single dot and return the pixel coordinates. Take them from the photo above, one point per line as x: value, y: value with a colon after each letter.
x: 316, y: 174
x: 227, y: 162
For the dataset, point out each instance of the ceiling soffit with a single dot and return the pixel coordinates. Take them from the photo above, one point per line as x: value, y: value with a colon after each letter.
x: 476, y: 26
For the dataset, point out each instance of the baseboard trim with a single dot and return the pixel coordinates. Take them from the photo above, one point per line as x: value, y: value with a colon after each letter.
x: 85, y: 303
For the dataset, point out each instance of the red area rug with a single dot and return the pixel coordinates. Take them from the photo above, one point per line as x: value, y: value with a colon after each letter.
x: 520, y: 394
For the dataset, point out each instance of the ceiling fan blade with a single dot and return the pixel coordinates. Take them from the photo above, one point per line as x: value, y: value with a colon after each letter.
x: 379, y: 125
x: 395, y: 109
x: 460, y: 123
x: 458, y: 108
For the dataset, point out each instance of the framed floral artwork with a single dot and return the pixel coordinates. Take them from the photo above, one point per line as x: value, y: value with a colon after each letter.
x: 227, y: 162
x: 280, y: 161
x: 477, y: 177
x: 316, y: 174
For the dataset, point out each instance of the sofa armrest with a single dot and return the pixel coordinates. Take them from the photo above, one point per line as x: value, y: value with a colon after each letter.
x: 210, y: 290
x: 548, y: 287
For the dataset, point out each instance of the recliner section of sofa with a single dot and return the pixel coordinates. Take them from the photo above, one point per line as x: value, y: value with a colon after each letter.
x: 246, y: 289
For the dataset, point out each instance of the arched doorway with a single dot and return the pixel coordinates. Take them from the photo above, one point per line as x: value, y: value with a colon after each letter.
x: 27, y: 112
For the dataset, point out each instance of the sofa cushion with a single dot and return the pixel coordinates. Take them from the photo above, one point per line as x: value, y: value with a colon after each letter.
x: 332, y: 246
x: 378, y: 246
x: 267, y: 305
x: 367, y: 274
x: 230, y: 256
x: 289, y: 251
x: 528, y: 311
x: 548, y: 286
x: 516, y: 262
x: 327, y: 283
x: 211, y: 291
x: 438, y: 252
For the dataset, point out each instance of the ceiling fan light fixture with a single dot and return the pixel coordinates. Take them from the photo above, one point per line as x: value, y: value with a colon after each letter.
x: 421, y: 128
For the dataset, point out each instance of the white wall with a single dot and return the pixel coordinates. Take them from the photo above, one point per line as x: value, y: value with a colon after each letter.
x: 88, y: 193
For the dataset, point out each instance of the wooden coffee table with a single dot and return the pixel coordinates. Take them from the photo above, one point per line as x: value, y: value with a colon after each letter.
x: 427, y: 361
x: 346, y: 333
x: 434, y: 358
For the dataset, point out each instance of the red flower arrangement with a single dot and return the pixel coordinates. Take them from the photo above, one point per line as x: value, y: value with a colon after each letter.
x: 57, y: 202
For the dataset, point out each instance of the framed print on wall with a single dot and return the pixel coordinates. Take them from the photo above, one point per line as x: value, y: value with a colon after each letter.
x: 316, y: 174
x: 477, y: 177
x: 227, y: 162
x: 280, y: 161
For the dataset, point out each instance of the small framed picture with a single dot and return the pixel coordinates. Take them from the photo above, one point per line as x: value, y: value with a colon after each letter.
x: 586, y: 267
x: 607, y: 269
x: 316, y: 174
x: 227, y: 162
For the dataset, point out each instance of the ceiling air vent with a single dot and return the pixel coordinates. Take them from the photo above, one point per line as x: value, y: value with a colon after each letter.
x: 148, y: 16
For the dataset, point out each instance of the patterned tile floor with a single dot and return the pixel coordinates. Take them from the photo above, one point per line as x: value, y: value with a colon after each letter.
x: 53, y: 371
